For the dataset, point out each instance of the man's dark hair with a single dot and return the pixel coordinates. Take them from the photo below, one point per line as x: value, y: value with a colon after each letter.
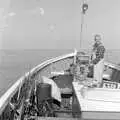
x: 97, y: 36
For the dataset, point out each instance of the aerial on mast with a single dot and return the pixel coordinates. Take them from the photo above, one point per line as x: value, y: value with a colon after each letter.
x: 84, y: 9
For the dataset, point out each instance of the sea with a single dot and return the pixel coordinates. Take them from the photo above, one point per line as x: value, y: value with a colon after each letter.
x: 15, y: 63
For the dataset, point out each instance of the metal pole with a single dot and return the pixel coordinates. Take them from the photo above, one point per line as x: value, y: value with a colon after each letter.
x: 81, y: 29
x: 84, y: 9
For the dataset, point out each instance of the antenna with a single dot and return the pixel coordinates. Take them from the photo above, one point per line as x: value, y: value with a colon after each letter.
x: 84, y: 9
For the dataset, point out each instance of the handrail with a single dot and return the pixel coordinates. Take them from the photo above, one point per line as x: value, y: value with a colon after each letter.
x: 4, y: 100
x: 111, y: 65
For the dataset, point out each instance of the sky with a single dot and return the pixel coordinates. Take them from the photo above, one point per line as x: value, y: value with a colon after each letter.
x: 55, y: 24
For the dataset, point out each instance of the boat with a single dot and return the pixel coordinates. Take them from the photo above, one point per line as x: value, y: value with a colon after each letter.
x: 52, y: 90
x: 13, y: 103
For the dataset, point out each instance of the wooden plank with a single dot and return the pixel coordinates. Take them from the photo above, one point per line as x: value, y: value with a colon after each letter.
x: 55, y: 118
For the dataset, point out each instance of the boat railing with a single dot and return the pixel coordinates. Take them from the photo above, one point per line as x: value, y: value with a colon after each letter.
x: 5, y: 99
x: 111, y: 65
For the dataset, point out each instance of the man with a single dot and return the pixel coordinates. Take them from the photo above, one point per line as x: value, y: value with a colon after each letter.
x: 98, y: 59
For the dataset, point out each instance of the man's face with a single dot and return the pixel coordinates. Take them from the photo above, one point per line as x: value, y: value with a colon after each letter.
x: 97, y: 39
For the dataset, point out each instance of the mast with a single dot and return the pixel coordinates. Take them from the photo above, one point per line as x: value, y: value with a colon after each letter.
x: 84, y: 9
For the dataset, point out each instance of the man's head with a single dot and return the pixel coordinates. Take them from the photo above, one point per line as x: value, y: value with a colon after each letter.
x: 97, y: 38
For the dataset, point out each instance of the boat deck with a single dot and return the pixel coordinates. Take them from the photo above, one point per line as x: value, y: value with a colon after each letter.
x: 53, y: 118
